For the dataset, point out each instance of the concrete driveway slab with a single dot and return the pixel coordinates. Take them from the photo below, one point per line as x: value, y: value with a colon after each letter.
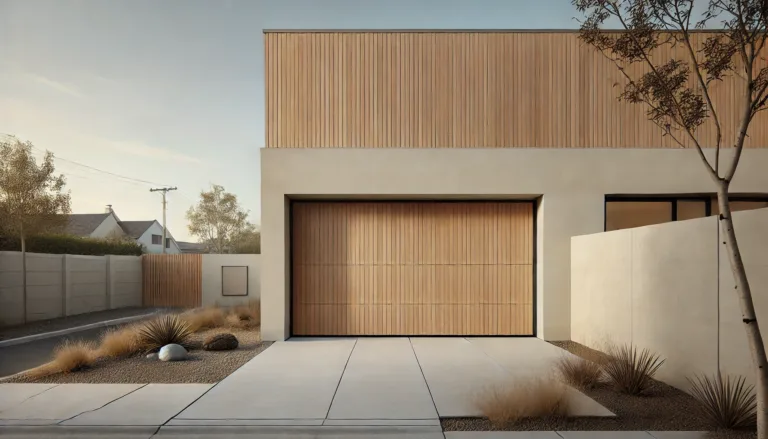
x: 501, y: 435
x: 58, y: 431
x: 65, y: 401
x: 679, y: 434
x: 153, y: 404
x: 295, y: 379
x: 366, y: 432
x: 382, y: 381
x: 604, y: 435
x: 524, y: 357
x: 457, y: 372
x: 14, y: 394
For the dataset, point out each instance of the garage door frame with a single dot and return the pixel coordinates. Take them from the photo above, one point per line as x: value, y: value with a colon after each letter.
x: 534, y: 265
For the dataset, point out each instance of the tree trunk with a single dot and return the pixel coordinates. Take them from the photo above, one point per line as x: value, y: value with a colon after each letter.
x: 24, y: 274
x: 749, y: 318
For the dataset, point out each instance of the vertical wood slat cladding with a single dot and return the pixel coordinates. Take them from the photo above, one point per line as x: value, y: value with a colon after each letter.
x: 463, y: 90
x: 172, y: 280
x: 412, y: 268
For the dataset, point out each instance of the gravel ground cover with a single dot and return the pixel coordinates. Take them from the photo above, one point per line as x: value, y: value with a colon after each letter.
x: 662, y: 408
x: 42, y: 326
x: 201, y: 366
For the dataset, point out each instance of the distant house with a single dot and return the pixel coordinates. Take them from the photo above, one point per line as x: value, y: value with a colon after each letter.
x: 108, y: 225
x: 192, y: 247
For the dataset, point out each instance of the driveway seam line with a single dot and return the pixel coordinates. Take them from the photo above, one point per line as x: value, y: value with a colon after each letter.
x: 341, y: 377
x: 99, y: 408
x: 493, y: 360
x: 32, y: 396
x: 198, y: 398
x: 558, y: 433
x: 426, y: 383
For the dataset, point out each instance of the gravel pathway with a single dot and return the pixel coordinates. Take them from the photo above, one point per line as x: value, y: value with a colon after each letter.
x: 42, y: 326
x: 663, y: 408
x: 201, y: 367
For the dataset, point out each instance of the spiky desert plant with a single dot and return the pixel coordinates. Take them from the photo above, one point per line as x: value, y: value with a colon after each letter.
x: 629, y: 370
x: 164, y: 330
x: 579, y: 372
x: 727, y: 403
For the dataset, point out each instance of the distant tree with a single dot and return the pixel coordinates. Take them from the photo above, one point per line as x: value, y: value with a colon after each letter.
x: 248, y: 241
x: 676, y: 92
x: 32, y: 200
x: 217, y: 219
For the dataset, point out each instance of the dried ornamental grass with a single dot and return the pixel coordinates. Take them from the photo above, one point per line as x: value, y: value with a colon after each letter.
x: 727, y: 403
x: 534, y: 398
x: 206, y: 318
x: 120, y: 343
x: 71, y: 356
x: 631, y: 371
x: 579, y: 372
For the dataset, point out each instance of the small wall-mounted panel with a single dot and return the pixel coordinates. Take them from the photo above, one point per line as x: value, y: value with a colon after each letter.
x: 234, y: 280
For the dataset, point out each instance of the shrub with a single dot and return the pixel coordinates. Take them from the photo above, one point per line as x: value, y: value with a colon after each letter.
x: 728, y: 403
x: 246, y: 315
x: 162, y: 331
x: 206, y: 318
x: 579, y: 372
x: 631, y: 371
x: 534, y: 398
x: 72, y: 245
x: 71, y: 356
x: 118, y: 343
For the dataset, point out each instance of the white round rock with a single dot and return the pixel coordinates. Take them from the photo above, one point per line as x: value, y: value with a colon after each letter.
x: 172, y: 352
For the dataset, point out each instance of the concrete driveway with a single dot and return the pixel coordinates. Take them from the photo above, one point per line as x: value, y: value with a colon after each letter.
x: 372, y: 381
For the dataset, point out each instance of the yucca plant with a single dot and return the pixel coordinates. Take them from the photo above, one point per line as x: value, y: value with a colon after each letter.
x: 164, y: 330
x: 631, y: 371
x: 727, y: 403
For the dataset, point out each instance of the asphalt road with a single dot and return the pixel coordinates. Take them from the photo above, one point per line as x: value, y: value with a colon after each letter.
x: 15, y: 359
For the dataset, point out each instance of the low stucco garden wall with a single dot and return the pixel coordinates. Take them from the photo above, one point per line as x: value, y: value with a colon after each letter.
x: 64, y: 285
x: 669, y: 288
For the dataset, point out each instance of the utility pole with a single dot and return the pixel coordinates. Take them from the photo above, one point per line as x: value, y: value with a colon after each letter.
x: 164, y: 191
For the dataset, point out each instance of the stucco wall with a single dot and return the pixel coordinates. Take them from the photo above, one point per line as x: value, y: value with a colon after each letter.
x: 669, y: 288
x: 571, y: 185
x: 59, y: 285
x: 108, y: 228
x: 212, y: 278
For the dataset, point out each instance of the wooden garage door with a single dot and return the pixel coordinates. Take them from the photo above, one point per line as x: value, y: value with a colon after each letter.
x: 412, y: 268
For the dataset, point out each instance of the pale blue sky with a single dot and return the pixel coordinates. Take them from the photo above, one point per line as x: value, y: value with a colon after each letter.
x: 172, y: 91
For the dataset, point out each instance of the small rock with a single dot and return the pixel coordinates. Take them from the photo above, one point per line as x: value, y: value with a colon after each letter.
x: 172, y: 352
x: 220, y: 342
x: 152, y: 356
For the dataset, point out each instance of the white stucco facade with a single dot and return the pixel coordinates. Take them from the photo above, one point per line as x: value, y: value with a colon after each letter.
x: 569, y: 185
x: 157, y: 229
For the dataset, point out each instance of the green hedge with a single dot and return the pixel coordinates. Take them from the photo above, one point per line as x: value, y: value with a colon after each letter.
x: 72, y: 245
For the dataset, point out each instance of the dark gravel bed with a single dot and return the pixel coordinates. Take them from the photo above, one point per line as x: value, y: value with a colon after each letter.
x: 42, y: 326
x: 201, y: 367
x: 662, y: 408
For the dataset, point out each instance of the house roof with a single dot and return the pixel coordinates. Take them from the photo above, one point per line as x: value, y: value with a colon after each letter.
x: 83, y: 224
x: 135, y: 229
x: 191, y: 247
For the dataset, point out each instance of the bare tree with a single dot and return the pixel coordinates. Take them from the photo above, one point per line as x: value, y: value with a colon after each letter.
x: 31, y: 197
x: 217, y: 219
x: 678, y: 96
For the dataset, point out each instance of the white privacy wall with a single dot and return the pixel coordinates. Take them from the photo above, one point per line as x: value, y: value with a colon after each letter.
x: 213, y: 280
x: 669, y: 288
x: 63, y: 285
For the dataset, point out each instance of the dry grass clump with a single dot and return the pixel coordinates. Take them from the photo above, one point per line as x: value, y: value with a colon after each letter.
x: 206, y: 318
x: 120, y: 343
x: 579, y: 372
x: 534, y: 398
x: 70, y: 356
x: 164, y: 330
x: 727, y: 403
x: 245, y: 316
x: 629, y: 370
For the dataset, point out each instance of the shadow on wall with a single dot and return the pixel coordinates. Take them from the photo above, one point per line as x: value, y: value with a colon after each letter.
x: 669, y: 288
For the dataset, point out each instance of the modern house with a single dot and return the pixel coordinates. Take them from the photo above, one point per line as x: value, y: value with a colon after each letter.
x: 429, y: 182
x: 108, y: 225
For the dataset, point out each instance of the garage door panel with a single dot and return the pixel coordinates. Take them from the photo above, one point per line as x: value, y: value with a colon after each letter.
x: 407, y: 268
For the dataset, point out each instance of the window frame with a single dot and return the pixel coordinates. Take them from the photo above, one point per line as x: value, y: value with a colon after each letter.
x: 158, y: 243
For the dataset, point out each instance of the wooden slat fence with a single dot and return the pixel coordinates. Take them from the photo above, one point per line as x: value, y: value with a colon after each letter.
x: 172, y: 280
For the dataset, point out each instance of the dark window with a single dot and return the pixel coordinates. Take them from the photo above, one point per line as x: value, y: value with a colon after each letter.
x: 623, y: 212
x: 157, y: 239
x: 168, y: 243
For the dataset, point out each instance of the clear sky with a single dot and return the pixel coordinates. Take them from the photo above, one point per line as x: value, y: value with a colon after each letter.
x: 172, y: 91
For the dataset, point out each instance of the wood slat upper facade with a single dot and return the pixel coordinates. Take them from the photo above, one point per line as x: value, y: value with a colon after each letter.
x: 462, y: 90
x: 412, y: 268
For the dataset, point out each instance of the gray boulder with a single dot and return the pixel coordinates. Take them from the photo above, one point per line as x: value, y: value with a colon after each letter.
x: 152, y: 356
x: 172, y: 352
x: 220, y: 342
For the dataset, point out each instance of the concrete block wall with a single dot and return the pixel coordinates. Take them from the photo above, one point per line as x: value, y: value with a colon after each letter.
x: 212, y: 278
x: 669, y: 288
x: 63, y: 285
